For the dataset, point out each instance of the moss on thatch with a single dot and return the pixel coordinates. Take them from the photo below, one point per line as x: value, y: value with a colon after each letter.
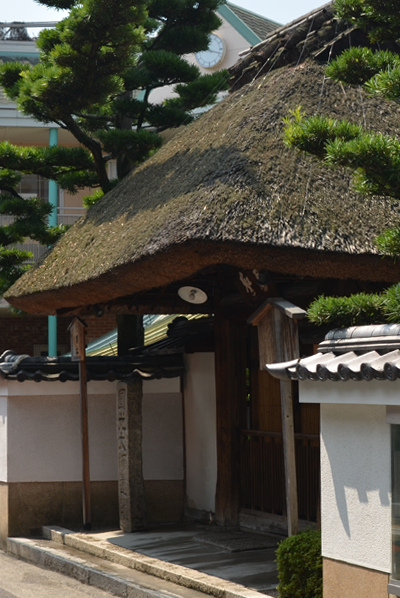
x: 224, y: 186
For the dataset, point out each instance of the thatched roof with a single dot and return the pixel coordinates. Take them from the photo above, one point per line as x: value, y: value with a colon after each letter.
x: 226, y: 191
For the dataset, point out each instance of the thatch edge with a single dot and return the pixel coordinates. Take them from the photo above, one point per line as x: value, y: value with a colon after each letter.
x: 182, y: 261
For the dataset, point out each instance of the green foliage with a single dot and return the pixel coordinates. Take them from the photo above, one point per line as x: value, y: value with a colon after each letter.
x: 358, y: 65
x: 97, y: 69
x: 202, y: 91
x: 89, y: 200
x: 132, y: 143
x: 29, y: 219
x: 357, y: 310
x: 374, y: 158
x: 313, y: 135
x: 386, y: 84
x: 11, y: 266
x: 389, y: 242
x: 341, y: 312
x: 300, y: 566
x: 380, y: 17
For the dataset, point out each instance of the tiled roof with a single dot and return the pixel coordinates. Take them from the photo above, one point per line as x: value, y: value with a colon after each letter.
x: 160, y: 359
x: 62, y: 369
x: 358, y: 353
x: 260, y: 25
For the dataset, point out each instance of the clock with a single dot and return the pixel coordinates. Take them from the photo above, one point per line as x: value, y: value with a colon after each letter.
x: 214, y: 54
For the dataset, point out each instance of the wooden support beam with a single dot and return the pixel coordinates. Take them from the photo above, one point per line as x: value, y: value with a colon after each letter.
x: 130, y: 333
x: 78, y: 353
x: 289, y: 309
x: 87, y: 517
x: 278, y: 341
x: 289, y: 453
x: 230, y: 380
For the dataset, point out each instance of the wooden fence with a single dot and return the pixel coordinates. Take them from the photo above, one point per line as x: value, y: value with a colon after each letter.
x: 262, y: 473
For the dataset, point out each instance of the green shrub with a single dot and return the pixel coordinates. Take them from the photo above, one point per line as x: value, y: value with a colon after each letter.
x: 300, y: 566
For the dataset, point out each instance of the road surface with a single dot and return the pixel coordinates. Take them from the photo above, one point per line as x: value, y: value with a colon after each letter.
x: 23, y: 580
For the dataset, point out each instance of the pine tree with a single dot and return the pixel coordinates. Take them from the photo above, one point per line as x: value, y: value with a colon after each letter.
x: 97, y: 69
x: 374, y: 158
x: 99, y: 65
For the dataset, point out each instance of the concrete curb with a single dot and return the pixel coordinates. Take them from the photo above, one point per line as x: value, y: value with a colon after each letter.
x: 50, y: 558
x: 189, y: 578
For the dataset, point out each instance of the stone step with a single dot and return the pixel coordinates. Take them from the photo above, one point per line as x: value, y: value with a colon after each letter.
x: 120, y: 571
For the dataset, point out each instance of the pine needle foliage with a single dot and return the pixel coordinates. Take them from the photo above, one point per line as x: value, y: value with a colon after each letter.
x: 373, y: 158
x: 389, y: 242
x: 357, y: 310
x: 98, y: 68
x: 341, y: 312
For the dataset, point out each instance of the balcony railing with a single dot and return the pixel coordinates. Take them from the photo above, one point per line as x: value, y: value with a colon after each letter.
x: 65, y: 215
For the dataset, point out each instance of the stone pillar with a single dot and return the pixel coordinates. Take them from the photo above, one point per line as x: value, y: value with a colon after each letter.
x: 132, y: 504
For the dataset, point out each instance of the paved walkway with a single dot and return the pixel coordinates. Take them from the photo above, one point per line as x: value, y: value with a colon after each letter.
x: 198, y: 547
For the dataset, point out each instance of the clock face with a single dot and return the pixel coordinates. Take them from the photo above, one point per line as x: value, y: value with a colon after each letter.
x: 214, y: 53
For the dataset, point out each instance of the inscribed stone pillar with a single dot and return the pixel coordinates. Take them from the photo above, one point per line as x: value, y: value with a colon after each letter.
x: 132, y: 504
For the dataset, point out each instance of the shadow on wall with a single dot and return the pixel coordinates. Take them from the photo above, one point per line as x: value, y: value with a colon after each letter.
x: 356, y: 445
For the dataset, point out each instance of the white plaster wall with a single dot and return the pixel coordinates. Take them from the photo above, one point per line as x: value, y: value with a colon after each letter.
x: 355, y: 485
x: 3, y: 439
x: 40, y: 436
x: 44, y: 438
x: 165, y: 385
x: 12, y: 388
x: 376, y: 392
x: 200, y: 431
x: 162, y: 436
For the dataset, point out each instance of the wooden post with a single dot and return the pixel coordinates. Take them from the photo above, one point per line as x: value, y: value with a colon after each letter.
x: 279, y: 341
x: 289, y: 453
x: 230, y: 380
x: 78, y: 353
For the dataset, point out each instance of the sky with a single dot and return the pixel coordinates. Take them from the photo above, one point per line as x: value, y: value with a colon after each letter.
x: 282, y: 11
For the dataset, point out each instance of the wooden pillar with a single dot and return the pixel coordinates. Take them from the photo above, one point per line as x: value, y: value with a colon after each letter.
x: 230, y: 380
x: 132, y: 503
x: 278, y: 335
x: 78, y: 353
x: 289, y: 453
x: 130, y: 333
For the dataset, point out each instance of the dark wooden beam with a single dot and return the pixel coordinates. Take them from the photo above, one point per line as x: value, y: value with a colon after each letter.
x: 230, y: 381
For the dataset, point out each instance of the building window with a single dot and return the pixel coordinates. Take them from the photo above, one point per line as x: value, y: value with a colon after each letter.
x: 33, y: 185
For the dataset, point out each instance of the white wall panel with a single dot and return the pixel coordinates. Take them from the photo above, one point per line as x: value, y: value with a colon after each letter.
x: 3, y: 439
x: 162, y: 436
x: 44, y: 438
x: 355, y: 484
x: 376, y: 392
x: 200, y: 431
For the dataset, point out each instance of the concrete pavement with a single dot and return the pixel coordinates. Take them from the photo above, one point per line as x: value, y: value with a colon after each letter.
x: 186, y: 561
x: 111, y: 562
x: 19, y: 579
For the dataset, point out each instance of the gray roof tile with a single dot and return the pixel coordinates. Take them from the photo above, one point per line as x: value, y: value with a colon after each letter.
x: 356, y: 353
x: 260, y: 25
